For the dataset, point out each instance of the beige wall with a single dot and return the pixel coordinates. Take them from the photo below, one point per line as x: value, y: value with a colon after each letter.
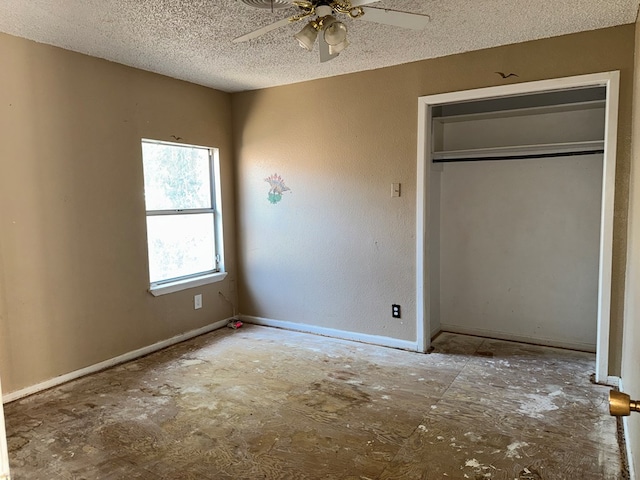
x: 631, y: 346
x: 72, y: 223
x: 338, y: 251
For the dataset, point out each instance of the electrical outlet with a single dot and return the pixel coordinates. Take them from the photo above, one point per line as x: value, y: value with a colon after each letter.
x: 395, y: 311
x: 197, y: 301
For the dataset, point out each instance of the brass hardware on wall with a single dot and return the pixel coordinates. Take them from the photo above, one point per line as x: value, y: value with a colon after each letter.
x: 621, y: 405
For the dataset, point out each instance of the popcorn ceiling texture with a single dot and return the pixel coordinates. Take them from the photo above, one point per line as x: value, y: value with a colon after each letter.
x: 192, y: 39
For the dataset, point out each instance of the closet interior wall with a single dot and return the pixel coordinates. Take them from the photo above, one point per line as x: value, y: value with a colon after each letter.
x: 516, y: 209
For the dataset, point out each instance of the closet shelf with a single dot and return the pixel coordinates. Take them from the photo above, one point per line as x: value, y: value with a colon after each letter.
x: 521, y: 112
x: 520, y: 151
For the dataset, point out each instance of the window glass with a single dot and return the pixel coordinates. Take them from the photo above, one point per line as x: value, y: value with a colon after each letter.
x: 180, y: 245
x: 176, y: 177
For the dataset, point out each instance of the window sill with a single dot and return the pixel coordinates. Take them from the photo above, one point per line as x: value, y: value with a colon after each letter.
x: 184, y: 284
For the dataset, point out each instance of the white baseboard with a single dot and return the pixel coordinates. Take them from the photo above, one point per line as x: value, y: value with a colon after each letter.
x: 332, y: 332
x: 435, y: 330
x: 54, y: 382
x: 613, y: 381
x: 481, y: 332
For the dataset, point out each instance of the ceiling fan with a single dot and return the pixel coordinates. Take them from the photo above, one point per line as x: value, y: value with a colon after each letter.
x: 324, y: 24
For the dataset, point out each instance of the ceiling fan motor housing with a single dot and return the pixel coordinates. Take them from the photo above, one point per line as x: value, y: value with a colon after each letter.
x: 323, y: 10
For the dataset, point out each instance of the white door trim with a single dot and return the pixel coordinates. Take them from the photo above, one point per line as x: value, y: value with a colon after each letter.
x: 610, y: 80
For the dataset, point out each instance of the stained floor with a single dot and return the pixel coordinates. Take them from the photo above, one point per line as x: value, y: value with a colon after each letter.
x: 262, y: 403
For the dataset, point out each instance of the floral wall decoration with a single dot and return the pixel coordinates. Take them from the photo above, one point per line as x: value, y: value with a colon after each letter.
x: 277, y: 188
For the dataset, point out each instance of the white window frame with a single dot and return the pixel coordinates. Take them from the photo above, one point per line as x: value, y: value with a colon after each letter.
x: 198, y: 279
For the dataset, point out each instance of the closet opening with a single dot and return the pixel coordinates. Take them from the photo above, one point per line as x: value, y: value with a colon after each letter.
x: 515, y: 213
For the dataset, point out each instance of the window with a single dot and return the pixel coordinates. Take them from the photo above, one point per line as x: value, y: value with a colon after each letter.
x: 184, y: 222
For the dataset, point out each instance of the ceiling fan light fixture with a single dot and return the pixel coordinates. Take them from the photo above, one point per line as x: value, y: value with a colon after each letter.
x: 307, y: 36
x: 335, y: 49
x: 335, y: 33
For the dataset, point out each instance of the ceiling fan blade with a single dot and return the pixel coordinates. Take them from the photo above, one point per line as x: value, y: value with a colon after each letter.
x: 358, y: 3
x: 263, y: 30
x: 325, y: 55
x: 415, y: 21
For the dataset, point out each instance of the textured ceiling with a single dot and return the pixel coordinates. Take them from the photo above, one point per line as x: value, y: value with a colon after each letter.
x: 192, y: 39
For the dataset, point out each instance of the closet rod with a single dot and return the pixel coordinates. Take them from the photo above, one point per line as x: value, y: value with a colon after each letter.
x: 519, y: 157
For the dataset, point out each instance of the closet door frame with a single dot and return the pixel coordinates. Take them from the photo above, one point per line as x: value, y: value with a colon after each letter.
x: 424, y: 247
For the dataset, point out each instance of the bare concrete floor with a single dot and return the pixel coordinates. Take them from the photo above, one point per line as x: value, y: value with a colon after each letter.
x: 262, y: 403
